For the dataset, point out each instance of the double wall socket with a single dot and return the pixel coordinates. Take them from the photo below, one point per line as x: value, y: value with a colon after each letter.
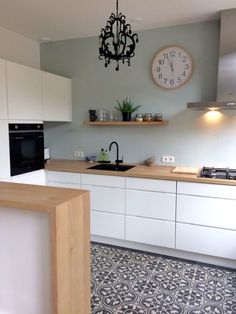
x: 79, y: 153
x: 168, y: 159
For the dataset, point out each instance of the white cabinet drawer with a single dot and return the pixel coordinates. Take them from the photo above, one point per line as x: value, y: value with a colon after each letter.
x: 210, y: 190
x: 206, y: 211
x: 206, y: 240
x: 150, y: 231
x: 150, y: 204
x: 59, y: 176
x: 108, y: 225
x: 151, y: 185
x: 105, y: 199
x: 93, y: 179
x: 63, y: 185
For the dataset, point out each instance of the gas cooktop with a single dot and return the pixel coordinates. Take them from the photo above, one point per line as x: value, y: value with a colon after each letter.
x: 218, y: 173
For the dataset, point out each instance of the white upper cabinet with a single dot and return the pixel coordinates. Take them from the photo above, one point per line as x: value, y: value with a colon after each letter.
x: 4, y: 156
x: 3, y: 90
x: 56, y: 98
x: 24, y: 85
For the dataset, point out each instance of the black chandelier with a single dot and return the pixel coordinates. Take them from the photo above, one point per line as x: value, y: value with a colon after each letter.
x: 116, y: 40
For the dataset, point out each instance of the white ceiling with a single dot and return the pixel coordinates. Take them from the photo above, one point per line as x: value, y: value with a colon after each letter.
x: 64, y: 19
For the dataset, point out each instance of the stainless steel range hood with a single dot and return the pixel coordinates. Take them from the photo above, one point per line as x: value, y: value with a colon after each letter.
x: 226, y: 86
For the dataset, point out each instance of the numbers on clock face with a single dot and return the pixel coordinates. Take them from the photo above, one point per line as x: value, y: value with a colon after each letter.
x: 172, y: 67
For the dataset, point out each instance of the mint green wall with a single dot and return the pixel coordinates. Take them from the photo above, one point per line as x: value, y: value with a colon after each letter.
x: 189, y: 137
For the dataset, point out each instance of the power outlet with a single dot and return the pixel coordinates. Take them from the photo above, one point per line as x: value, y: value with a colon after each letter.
x: 168, y: 159
x: 79, y: 153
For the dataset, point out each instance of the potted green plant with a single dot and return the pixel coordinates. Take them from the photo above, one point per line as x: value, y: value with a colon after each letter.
x: 126, y: 107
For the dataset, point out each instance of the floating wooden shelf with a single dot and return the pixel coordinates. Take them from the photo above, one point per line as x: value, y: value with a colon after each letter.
x: 124, y: 123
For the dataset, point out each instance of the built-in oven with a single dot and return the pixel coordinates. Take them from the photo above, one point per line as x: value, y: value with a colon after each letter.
x: 26, y: 147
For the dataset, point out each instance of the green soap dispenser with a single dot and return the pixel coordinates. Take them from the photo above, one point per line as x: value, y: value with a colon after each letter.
x: 102, y: 155
x: 106, y: 156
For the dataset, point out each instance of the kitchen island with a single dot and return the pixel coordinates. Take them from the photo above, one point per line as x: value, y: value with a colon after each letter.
x: 62, y: 249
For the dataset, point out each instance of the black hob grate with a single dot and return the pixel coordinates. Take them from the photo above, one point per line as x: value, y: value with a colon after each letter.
x: 218, y: 173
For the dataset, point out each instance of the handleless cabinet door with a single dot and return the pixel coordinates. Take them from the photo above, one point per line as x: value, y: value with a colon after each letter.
x: 63, y: 177
x: 206, y: 189
x: 24, y: 86
x: 108, y: 225
x: 3, y: 90
x: 151, y: 185
x: 150, y: 231
x: 206, y: 211
x: 150, y: 204
x: 4, y: 156
x: 106, y: 199
x: 206, y: 240
x: 56, y: 98
x: 102, y: 180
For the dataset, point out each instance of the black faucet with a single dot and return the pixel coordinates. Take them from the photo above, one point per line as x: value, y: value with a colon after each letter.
x: 117, y: 161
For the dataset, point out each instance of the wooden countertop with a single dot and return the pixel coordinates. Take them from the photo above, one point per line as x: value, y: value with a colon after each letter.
x: 35, y: 197
x: 140, y: 171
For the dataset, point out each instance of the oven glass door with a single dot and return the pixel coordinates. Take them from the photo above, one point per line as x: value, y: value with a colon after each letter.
x: 26, y: 152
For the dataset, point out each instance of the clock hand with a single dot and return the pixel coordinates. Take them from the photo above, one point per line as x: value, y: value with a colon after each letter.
x: 171, y: 64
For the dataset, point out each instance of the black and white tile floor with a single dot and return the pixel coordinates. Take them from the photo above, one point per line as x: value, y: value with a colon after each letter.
x: 132, y: 282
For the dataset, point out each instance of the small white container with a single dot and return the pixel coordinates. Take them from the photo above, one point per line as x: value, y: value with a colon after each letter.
x: 46, y: 153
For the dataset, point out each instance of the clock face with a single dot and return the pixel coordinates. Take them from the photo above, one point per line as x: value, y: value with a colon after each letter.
x: 172, y: 67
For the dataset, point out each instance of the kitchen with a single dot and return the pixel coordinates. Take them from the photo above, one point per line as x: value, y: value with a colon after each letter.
x: 190, y: 136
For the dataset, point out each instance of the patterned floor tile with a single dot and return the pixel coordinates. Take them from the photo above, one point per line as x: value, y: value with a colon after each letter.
x: 130, y: 282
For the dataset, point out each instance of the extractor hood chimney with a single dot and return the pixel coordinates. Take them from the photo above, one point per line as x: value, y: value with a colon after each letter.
x: 226, y: 86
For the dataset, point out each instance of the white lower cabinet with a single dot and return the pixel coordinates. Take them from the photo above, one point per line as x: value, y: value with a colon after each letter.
x: 107, y: 202
x: 200, y: 218
x: 106, y: 199
x: 150, y: 231
x: 63, y: 179
x: 103, y: 180
x: 151, y: 185
x: 208, y: 190
x: 206, y: 211
x: 150, y: 211
x: 206, y: 240
x: 108, y: 225
x: 206, y: 219
x: 35, y: 177
x: 150, y: 204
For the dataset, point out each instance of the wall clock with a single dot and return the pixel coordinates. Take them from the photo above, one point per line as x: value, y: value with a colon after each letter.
x: 172, y: 67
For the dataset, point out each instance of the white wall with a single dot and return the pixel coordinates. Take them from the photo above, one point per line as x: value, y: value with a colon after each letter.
x: 19, y: 49
x: 189, y: 137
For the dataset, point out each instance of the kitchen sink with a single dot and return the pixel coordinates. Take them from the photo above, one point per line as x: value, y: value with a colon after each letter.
x: 112, y: 167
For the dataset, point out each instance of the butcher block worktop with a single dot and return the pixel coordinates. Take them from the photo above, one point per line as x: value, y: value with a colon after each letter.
x: 35, y: 197
x: 140, y: 171
x: 69, y: 212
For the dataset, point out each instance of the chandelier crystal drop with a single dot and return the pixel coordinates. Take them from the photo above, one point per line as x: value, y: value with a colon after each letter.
x: 116, y: 41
